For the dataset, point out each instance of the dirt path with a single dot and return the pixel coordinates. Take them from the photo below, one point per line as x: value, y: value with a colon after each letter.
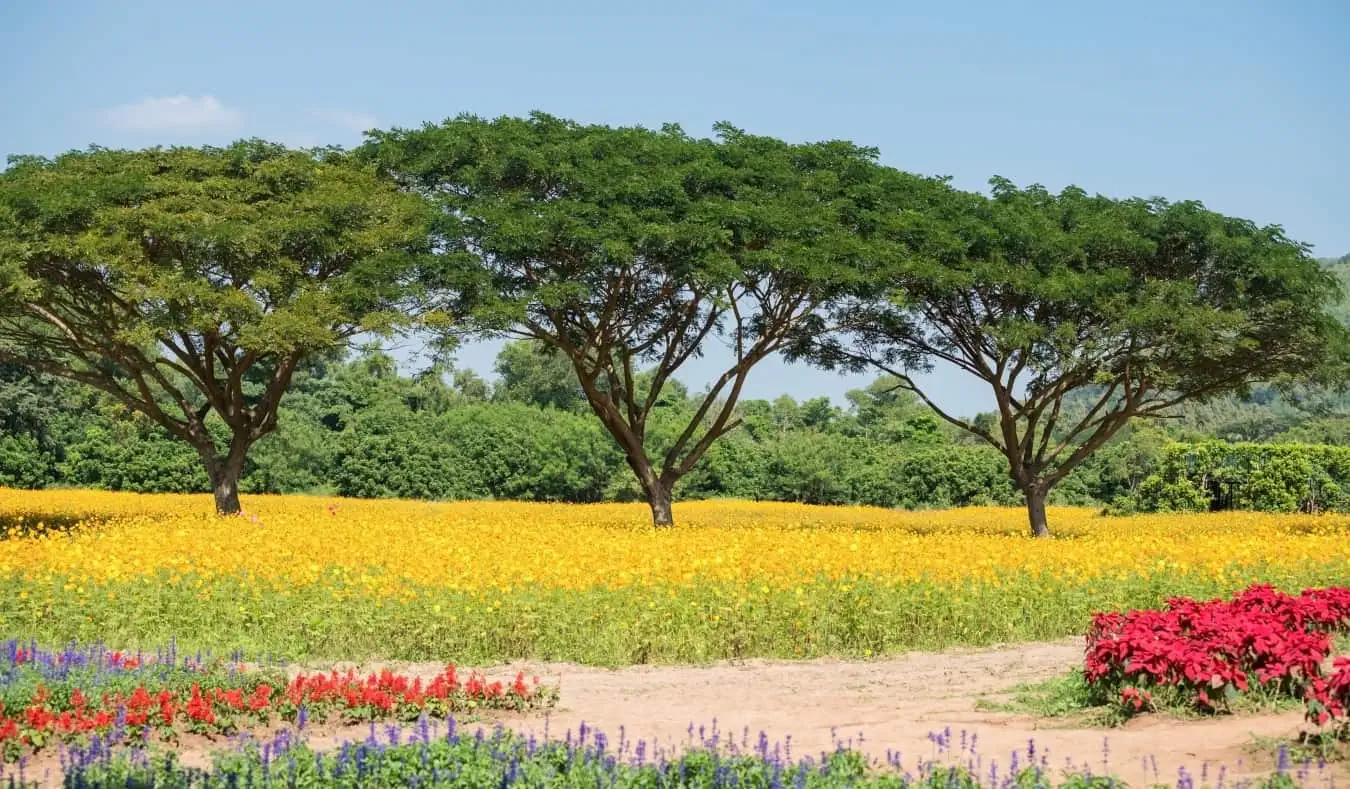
x: 880, y: 705
x: 885, y: 704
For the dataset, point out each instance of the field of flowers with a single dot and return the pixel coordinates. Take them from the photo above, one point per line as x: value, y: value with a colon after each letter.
x: 484, y: 581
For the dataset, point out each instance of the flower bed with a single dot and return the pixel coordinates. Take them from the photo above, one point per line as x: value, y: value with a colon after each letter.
x: 69, y: 695
x: 1212, y: 651
x: 425, y: 758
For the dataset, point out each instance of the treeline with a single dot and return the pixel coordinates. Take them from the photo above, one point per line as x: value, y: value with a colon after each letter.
x: 360, y: 428
x: 1217, y: 475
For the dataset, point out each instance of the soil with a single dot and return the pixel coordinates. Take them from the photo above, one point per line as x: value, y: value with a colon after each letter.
x: 878, y: 706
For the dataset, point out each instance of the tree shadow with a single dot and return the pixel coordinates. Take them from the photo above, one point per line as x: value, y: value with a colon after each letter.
x: 17, y: 525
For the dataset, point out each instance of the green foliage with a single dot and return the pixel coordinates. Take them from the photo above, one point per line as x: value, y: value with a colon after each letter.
x: 538, y: 374
x: 360, y: 428
x: 627, y: 250
x: 1041, y: 296
x: 391, y: 453
x: 936, y: 476
x: 516, y: 452
x: 811, y: 467
x: 190, y: 282
x: 132, y: 455
x: 1266, y: 477
x: 23, y: 464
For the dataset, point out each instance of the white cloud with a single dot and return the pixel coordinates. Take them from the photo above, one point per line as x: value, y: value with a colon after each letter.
x: 347, y: 120
x: 172, y: 113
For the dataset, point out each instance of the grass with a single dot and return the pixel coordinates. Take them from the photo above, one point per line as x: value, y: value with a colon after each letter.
x: 1306, y: 748
x: 1069, y: 699
x: 1066, y: 698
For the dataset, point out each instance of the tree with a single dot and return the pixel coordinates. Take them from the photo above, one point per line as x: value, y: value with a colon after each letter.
x: 535, y: 373
x: 1041, y: 295
x: 886, y: 411
x: 192, y: 281
x: 29, y: 405
x: 471, y: 386
x: 627, y: 247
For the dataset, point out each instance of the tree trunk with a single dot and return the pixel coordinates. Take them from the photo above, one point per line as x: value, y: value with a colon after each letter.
x: 224, y: 475
x: 659, y: 497
x: 225, y: 486
x: 1036, y: 511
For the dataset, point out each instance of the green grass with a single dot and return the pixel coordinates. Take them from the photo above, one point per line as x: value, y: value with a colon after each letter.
x: 1070, y: 700
x: 1067, y: 698
x: 1307, y: 747
x: 607, y: 626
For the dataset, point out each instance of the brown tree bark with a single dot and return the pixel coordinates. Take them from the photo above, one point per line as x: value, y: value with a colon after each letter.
x: 1036, y: 496
x: 224, y: 474
x: 660, y: 497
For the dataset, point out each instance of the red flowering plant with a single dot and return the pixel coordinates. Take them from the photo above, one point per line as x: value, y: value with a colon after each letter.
x: 389, y: 696
x: 1207, y: 653
x: 45, y: 697
x: 1328, y: 699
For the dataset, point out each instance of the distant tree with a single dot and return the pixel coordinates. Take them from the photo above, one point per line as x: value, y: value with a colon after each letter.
x: 1341, y: 269
x: 785, y: 413
x: 819, y: 413
x: 628, y: 248
x: 189, y: 281
x: 472, y: 386
x: 1040, y: 295
x: 536, y: 373
x: 887, y: 411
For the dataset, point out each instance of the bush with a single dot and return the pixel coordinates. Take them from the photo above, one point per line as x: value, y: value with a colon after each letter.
x: 394, y: 453
x: 134, y: 456
x: 1262, y: 477
x: 935, y: 476
x: 516, y: 451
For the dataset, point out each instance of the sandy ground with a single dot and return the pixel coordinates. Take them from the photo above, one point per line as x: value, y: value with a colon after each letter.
x: 877, y: 706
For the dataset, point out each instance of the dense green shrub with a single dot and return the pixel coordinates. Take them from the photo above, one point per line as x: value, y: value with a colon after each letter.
x: 516, y: 451
x: 1265, y: 477
x: 131, y: 455
x: 935, y: 476
x: 391, y: 453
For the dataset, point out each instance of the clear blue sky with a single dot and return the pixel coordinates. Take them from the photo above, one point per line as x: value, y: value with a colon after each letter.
x: 1245, y: 106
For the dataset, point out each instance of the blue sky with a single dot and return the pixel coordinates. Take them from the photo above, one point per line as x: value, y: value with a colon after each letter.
x: 1244, y: 106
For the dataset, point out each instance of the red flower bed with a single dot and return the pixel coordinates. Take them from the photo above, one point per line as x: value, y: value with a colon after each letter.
x: 220, y: 705
x: 1217, y: 649
x: 387, y: 694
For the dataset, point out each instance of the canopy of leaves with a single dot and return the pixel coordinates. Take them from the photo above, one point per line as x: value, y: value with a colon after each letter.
x: 190, y: 280
x: 1041, y: 294
x: 631, y: 249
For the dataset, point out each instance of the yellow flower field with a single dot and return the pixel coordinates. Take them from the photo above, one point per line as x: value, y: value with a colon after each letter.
x: 495, y: 580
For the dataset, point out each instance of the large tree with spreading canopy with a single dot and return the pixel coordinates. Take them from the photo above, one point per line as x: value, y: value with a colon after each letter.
x: 631, y: 251
x: 1131, y: 306
x: 193, y: 281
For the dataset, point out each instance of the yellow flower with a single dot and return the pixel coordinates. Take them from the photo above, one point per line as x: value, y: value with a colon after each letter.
x: 145, y: 549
